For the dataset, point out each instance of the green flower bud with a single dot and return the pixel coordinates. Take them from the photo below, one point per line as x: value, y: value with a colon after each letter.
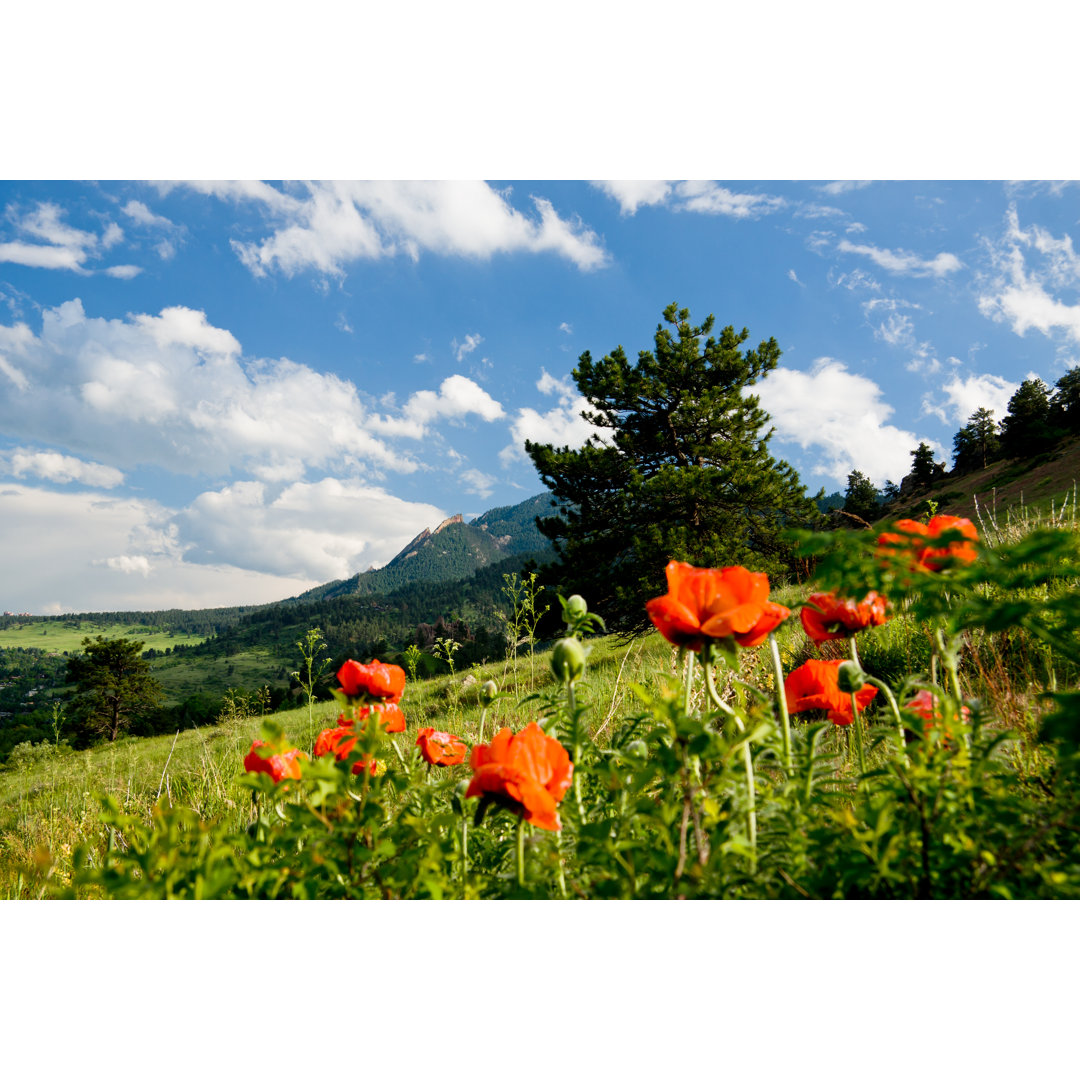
x: 568, y: 660
x: 576, y: 608
x: 488, y: 691
x: 636, y: 749
x: 850, y: 677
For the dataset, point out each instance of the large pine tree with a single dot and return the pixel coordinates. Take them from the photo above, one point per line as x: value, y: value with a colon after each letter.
x: 682, y: 470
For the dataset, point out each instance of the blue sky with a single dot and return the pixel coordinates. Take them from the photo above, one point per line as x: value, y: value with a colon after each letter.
x: 228, y: 392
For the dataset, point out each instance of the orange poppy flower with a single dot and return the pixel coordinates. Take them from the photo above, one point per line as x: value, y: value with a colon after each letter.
x: 340, y: 742
x: 377, y: 680
x: 814, y: 686
x: 915, y: 537
x: 527, y: 773
x: 831, y: 617
x: 284, y: 765
x: 440, y: 747
x: 927, y: 706
x: 701, y: 604
x: 773, y: 615
x: 960, y: 550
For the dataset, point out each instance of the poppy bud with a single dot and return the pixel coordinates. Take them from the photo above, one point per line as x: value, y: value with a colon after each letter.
x: 488, y: 691
x: 850, y: 677
x: 636, y: 749
x: 576, y: 608
x: 568, y: 660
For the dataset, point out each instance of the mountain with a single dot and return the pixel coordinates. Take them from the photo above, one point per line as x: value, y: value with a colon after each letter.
x: 453, y: 550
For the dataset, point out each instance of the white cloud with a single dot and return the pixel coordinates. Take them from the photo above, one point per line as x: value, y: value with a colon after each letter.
x: 904, y: 262
x: 897, y: 329
x: 630, y: 194
x: 966, y: 395
x: 1018, y: 293
x: 560, y: 426
x: 467, y: 346
x: 842, y: 187
x: 64, y: 247
x: 173, y: 390
x: 325, y: 530
x: 566, y: 328
x: 325, y: 226
x: 60, y: 468
x: 843, y: 417
x: 478, y: 483
x: 126, y: 271
x: 697, y: 196
x: 708, y: 197
x: 141, y: 214
x: 457, y: 397
x: 794, y: 277
x: 81, y: 551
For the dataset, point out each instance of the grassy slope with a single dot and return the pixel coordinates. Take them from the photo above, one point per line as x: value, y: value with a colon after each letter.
x: 1006, y: 488
x: 54, y: 803
x: 57, y: 637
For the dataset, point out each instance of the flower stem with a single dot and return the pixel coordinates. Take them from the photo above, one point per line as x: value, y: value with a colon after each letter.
x: 883, y: 687
x: 521, y: 851
x: 571, y: 702
x: 856, y: 722
x: 464, y: 855
x: 687, y: 658
x: 781, y: 698
x: 748, y: 762
x: 483, y: 717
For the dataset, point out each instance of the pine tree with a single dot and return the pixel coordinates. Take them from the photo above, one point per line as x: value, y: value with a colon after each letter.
x: 923, y: 466
x: 114, y: 684
x: 681, y: 472
x: 1065, y: 403
x: 1026, y: 430
x: 976, y: 444
x: 861, y: 498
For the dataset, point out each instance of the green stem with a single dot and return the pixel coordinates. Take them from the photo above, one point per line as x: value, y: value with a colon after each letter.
x: 464, y: 855
x: 571, y: 701
x: 948, y: 658
x: 856, y: 723
x: 521, y: 851
x: 883, y: 687
x: 748, y: 762
x: 483, y: 717
x: 781, y: 698
x: 686, y: 657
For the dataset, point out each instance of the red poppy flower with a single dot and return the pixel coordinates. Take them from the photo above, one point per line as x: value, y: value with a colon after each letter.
x: 773, y: 615
x: 701, y: 604
x: 528, y: 773
x: 915, y: 536
x: 814, y: 686
x: 390, y: 718
x: 831, y: 617
x: 440, y: 747
x: 340, y: 742
x: 927, y: 705
x: 959, y: 550
x: 377, y: 680
x: 284, y: 765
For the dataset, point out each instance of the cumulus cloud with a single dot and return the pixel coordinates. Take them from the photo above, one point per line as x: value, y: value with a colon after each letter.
x: 904, y: 263
x: 847, y: 426
x: 965, y: 395
x: 562, y: 425
x: 82, y: 551
x: 326, y: 226
x: 324, y: 530
x: 630, y: 194
x: 141, y: 214
x: 1021, y: 293
x: 59, y: 468
x: 173, y: 390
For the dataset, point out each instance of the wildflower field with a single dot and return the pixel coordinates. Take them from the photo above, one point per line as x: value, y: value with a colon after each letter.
x: 906, y: 727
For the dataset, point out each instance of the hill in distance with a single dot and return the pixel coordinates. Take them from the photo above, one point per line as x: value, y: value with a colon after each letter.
x: 453, y: 550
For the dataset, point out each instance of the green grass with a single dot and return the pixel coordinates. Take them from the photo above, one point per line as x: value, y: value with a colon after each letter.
x: 53, y: 803
x: 56, y: 637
